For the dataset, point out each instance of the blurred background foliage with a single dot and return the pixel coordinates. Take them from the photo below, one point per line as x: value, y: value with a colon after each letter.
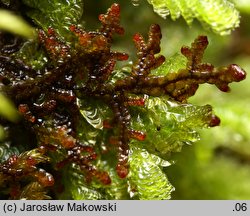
x: 217, y: 166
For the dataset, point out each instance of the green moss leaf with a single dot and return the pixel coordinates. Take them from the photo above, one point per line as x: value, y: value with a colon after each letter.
x: 15, y: 24
x: 168, y: 124
x: 90, y: 128
x: 219, y: 15
x: 118, y: 190
x: 76, y: 187
x: 56, y: 13
x: 6, y: 151
x: 33, y: 54
x: 7, y: 109
x: 94, y: 112
x: 147, y: 177
x: 172, y: 65
x: 34, y: 191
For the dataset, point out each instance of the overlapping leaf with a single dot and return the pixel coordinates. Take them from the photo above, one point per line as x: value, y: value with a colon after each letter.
x: 169, y: 125
x: 57, y: 14
x: 219, y: 15
x: 147, y: 180
x: 76, y: 187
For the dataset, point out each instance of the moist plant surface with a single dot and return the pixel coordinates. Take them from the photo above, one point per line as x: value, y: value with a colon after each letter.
x: 87, y: 128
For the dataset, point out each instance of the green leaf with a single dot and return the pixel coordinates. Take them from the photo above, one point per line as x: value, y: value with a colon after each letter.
x: 118, y: 190
x: 219, y: 15
x: 168, y: 124
x: 34, y: 191
x: 147, y: 177
x: 36, y: 154
x: 32, y: 54
x: 49, y: 13
x: 172, y: 65
x: 90, y: 128
x: 59, y: 14
x: 6, y: 150
x: 7, y: 109
x: 15, y: 24
x: 94, y: 111
x: 77, y: 187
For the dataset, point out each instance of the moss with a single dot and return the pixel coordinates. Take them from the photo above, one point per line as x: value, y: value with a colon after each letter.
x: 90, y: 122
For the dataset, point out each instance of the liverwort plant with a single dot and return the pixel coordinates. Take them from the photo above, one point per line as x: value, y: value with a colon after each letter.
x: 89, y: 129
